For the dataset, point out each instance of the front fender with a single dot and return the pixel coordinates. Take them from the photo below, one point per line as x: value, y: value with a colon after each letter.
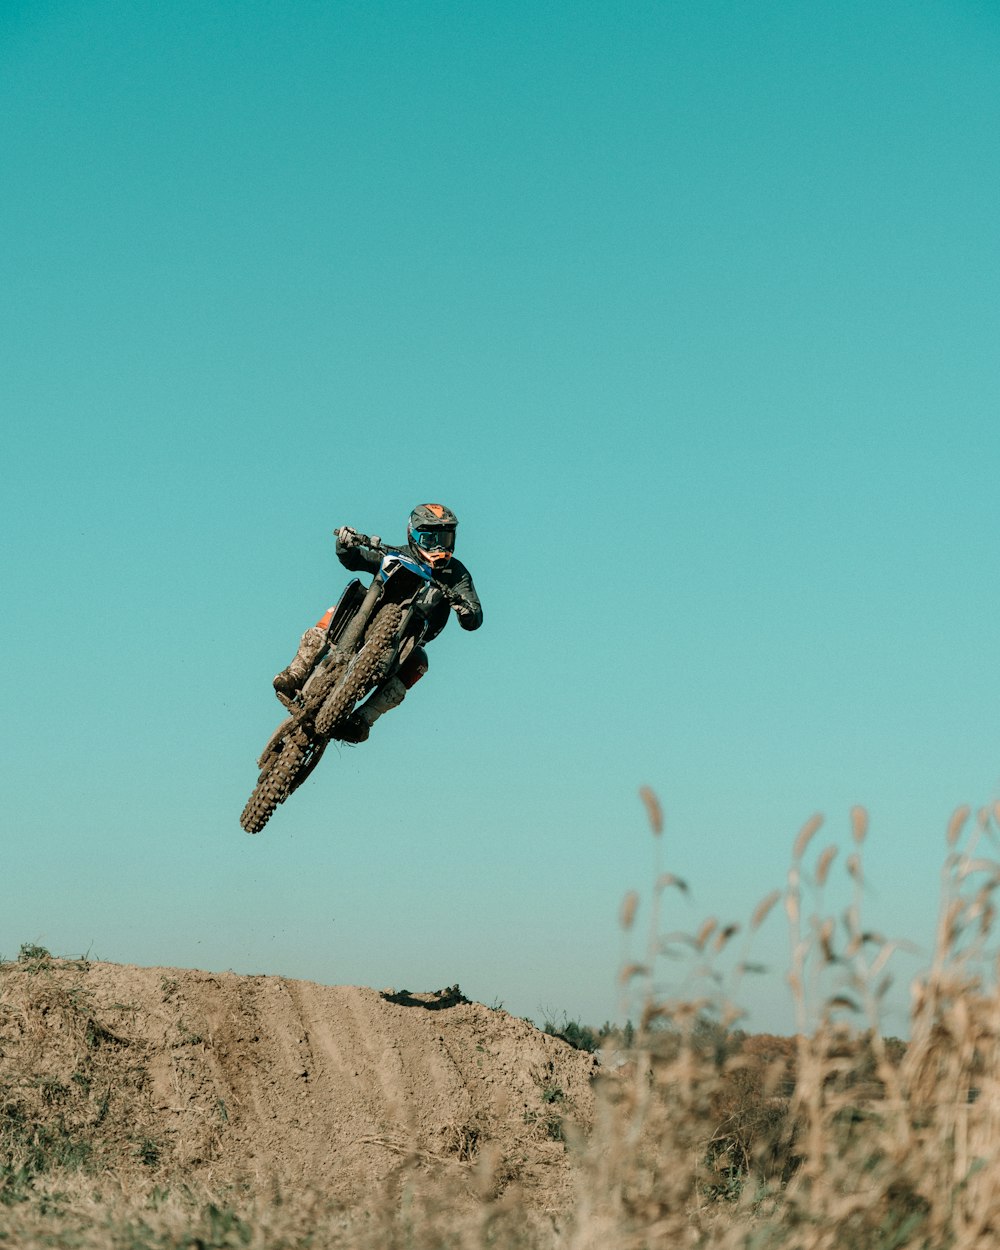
x: 347, y: 605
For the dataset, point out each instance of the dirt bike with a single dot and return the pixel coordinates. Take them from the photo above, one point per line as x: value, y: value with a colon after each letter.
x: 371, y: 633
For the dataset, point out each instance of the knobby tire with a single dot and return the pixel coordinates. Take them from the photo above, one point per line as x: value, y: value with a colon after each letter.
x: 365, y: 671
x: 273, y: 787
x: 320, y: 688
x: 286, y: 772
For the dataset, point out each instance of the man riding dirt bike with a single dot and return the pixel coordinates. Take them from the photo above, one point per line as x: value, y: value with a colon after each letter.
x: 370, y: 643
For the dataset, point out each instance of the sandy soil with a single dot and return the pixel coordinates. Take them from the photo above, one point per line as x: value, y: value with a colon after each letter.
x: 286, y: 1083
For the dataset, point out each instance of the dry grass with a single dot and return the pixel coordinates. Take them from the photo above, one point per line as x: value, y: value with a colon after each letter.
x: 873, y: 1144
x: 839, y: 1137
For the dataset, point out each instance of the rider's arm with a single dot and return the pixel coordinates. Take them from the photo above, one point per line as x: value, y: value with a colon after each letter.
x: 465, y: 601
x: 356, y: 558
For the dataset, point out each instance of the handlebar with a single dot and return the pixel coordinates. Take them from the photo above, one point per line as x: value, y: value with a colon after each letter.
x: 374, y: 543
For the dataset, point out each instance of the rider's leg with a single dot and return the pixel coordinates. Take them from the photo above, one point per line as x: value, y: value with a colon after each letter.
x: 290, y: 679
x: 390, y: 694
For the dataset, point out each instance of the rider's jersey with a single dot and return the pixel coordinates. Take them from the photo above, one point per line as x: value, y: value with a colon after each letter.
x: 455, y: 577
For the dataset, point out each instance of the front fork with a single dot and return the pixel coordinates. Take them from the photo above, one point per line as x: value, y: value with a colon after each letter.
x: 350, y: 636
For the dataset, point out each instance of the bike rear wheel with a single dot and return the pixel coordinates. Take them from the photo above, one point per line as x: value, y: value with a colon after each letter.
x: 274, y: 786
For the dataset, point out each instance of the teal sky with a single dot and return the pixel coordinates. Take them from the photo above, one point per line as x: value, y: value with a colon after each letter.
x: 691, y: 314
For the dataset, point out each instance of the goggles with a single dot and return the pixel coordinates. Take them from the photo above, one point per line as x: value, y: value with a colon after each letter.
x: 434, y: 540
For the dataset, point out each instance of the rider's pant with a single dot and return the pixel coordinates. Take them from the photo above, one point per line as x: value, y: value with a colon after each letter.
x: 392, y: 691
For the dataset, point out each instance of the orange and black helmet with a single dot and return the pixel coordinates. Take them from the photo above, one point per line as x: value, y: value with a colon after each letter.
x: 431, y: 533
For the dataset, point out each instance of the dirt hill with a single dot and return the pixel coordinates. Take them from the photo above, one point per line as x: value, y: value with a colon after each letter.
x: 263, y: 1080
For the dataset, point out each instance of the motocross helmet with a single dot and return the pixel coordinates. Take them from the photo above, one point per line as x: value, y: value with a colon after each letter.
x: 431, y: 533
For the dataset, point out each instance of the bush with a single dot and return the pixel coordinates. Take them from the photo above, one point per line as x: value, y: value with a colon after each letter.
x: 577, y: 1035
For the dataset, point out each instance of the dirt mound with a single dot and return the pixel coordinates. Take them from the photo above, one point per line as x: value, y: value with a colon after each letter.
x: 268, y: 1081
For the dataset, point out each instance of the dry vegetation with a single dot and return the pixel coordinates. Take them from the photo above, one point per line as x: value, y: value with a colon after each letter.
x: 696, y: 1135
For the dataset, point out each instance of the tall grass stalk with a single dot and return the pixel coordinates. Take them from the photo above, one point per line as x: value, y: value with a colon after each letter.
x: 848, y: 1139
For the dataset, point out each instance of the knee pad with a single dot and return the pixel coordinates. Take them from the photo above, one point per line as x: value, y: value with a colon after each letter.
x: 413, y: 667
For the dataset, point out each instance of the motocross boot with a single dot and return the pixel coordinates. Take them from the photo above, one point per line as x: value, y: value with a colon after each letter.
x: 289, y: 681
x: 357, y: 726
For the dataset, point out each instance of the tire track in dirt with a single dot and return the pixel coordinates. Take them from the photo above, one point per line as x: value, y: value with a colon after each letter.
x: 298, y: 1084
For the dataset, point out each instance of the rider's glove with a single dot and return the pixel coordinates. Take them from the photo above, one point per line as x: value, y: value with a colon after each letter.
x: 348, y: 537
